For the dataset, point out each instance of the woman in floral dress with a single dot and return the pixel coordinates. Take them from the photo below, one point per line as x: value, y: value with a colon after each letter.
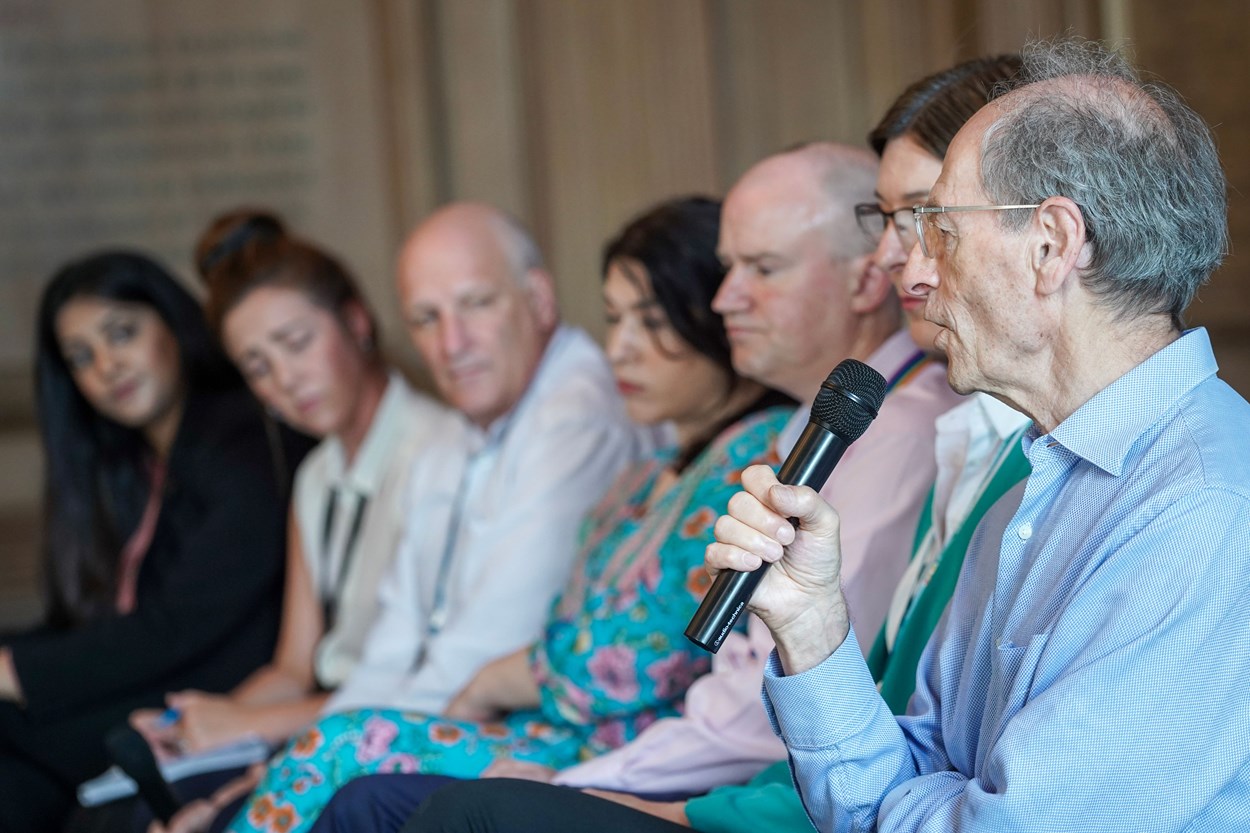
x: 613, y: 658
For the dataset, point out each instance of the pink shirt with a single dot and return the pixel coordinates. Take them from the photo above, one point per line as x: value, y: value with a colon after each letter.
x: 878, y: 489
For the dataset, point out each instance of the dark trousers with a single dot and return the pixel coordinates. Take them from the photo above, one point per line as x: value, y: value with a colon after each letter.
x: 505, y: 805
x: 42, y: 762
x: 377, y: 803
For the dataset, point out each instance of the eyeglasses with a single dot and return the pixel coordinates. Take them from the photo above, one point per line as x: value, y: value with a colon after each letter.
x: 873, y: 220
x: 923, y: 230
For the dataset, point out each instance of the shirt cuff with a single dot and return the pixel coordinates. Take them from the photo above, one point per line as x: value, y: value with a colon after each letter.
x: 824, y: 705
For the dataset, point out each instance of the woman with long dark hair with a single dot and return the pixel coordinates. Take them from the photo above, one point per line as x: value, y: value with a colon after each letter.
x: 163, y: 527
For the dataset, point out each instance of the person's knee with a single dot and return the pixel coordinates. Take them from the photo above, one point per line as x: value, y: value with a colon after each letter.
x: 350, y: 802
x: 490, y: 805
x: 462, y: 806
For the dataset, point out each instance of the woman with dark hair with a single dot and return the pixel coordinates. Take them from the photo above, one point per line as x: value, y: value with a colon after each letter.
x: 295, y: 323
x: 163, y: 527
x: 912, y: 139
x: 612, y: 658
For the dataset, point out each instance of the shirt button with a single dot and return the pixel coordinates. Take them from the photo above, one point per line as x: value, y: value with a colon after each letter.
x: 1025, y: 531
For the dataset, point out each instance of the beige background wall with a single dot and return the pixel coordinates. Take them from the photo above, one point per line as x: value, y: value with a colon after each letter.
x: 355, y: 119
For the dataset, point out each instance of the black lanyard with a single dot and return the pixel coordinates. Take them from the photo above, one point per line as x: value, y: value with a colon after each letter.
x: 332, y: 589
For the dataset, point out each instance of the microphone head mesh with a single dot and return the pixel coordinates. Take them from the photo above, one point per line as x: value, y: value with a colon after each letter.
x: 849, y: 399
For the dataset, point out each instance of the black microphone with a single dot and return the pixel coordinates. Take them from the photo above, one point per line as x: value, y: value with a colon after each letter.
x: 844, y: 408
x: 130, y: 751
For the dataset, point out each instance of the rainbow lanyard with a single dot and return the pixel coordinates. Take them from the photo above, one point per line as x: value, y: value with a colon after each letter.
x: 906, y: 374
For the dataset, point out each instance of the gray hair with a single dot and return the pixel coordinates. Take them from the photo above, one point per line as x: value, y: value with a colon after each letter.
x: 1140, y: 163
x: 518, y: 244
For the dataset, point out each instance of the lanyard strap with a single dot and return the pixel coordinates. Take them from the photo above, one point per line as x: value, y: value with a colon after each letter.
x: 438, y: 612
x: 332, y: 586
x: 927, y: 548
x: 910, y: 369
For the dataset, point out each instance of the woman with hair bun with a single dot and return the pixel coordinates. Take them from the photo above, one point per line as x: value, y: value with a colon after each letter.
x: 297, y: 327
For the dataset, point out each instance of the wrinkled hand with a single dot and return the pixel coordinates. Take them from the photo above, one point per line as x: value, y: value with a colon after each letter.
x: 800, y: 597
x: 512, y: 768
x: 674, y: 811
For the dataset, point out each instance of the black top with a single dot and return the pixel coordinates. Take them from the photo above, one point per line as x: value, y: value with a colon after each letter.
x: 209, y: 588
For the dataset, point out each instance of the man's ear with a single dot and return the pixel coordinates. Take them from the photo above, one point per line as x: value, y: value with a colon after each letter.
x: 870, y: 286
x: 1059, y: 248
x: 540, y: 291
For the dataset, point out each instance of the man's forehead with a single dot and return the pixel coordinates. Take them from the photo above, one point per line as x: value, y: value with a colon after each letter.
x: 771, y: 217
x: 433, y: 286
x: 961, y: 169
x: 450, y: 266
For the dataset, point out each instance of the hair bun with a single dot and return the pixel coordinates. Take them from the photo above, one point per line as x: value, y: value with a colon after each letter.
x: 230, y: 232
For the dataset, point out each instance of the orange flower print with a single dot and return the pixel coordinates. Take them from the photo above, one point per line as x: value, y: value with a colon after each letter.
x: 698, y: 523
x: 307, y: 743
x: 734, y: 477
x: 537, y: 730
x: 284, y: 819
x: 445, y: 733
x: 260, y: 812
x: 494, y: 730
x: 698, y: 581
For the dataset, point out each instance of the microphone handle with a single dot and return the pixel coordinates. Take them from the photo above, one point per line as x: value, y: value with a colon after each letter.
x: 130, y: 751
x: 809, y: 464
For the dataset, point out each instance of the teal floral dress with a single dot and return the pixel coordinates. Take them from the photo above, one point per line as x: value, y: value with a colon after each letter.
x: 612, y: 660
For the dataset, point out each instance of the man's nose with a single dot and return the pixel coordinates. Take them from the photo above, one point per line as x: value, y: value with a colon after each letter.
x: 453, y: 338
x: 731, y: 296
x: 919, y: 274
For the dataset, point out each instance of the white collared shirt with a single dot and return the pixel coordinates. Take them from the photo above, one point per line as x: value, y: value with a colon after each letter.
x: 527, y: 482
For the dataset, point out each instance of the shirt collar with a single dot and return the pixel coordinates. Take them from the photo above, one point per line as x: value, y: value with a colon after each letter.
x: 1105, y: 429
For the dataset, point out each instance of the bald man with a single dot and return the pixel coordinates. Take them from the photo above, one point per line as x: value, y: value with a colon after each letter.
x: 543, y: 435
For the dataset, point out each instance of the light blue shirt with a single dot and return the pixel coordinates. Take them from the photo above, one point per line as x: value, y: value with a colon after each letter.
x: 1093, y: 672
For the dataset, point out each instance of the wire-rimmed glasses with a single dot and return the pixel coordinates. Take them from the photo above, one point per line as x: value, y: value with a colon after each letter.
x: 919, y: 212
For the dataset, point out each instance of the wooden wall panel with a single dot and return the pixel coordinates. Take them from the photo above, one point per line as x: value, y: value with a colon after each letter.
x: 786, y: 72
x: 619, y: 95
x: 1003, y: 27
x: 1203, y: 50
x: 575, y: 114
x: 484, y: 125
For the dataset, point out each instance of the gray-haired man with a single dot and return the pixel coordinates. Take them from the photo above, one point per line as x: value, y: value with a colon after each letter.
x: 1091, y: 672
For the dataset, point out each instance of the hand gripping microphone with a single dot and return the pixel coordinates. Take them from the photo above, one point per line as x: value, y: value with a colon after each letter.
x: 846, y: 405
